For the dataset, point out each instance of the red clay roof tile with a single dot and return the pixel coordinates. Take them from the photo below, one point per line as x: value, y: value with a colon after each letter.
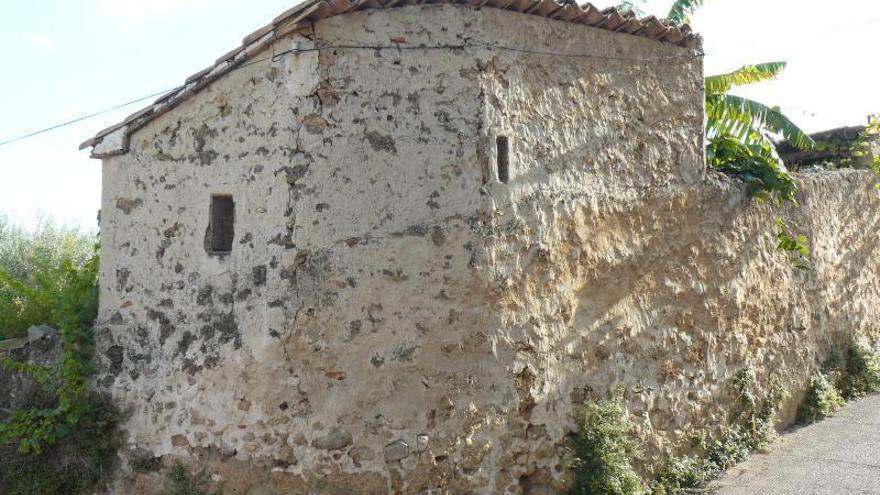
x: 300, y: 15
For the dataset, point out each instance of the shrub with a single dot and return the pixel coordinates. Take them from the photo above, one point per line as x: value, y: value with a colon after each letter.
x: 33, y: 267
x: 752, y: 429
x: 62, y: 441
x: 862, y: 371
x: 680, y: 473
x: 602, y: 450
x: 74, y: 463
x: 73, y: 313
x: 821, y: 401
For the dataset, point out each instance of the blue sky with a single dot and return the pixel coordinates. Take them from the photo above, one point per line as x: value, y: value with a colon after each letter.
x: 73, y: 57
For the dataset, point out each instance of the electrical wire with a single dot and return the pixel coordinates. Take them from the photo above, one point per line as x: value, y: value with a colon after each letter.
x: 85, y: 117
x: 397, y: 47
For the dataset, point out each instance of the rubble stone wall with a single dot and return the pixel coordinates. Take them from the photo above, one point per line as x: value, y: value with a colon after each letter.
x: 393, y: 318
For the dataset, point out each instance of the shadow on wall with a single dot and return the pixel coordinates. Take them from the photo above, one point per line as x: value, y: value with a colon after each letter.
x: 669, y: 295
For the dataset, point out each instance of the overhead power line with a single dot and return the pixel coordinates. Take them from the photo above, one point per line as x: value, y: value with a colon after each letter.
x: 84, y: 117
x: 397, y: 47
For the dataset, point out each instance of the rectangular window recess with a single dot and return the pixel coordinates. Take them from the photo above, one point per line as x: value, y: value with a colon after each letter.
x: 221, y: 230
x: 503, y: 156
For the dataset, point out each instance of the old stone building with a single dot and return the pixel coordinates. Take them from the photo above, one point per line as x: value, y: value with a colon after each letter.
x: 390, y: 247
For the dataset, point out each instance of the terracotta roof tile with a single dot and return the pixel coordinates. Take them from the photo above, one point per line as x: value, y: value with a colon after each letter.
x: 140, y: 113
x: 593, y: 15
x: 230, y: 54
x: 299, y: 17
x: 256, y: 35
x: 198, y: 75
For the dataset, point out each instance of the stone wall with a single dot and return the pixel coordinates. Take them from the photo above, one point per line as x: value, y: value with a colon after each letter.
x: 394, y: 319
x: 20, y: 389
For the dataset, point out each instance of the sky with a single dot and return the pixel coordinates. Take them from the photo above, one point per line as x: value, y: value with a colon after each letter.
x: 68, y: 58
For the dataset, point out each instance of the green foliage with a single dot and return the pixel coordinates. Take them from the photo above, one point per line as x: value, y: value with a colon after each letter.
x: 604, y: 447
x: 738, y: 131
x: 796, y: 245
x: 72, y: 314
x: 822, y: 400
x: 184, y: 484
x: 145, y: 464
x: 74, y: 463
x: 752, y: 429
x: 755, y: 419
x: 860, y: 374
x: 728, y: 451
x: 748, y: 74
x: 679, y: 13
x: 847, y: 375
x: 61, y: 442
x: 32, y: 270
x: 682, y: 10
x: 861, y: 150
x: 745, y: 119
x: 680, y: 473
x: 602, y: 451
x: 767, y: 180
x: 756, y: 164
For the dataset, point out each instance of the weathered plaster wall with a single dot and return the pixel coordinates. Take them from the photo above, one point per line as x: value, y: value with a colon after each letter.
x: 394, y: 319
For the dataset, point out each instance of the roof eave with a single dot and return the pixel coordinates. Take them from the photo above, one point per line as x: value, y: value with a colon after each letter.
x: 303, y: 15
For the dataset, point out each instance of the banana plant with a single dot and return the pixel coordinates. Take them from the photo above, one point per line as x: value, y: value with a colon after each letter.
x: 729, y: 115
x: 681, y: 10
x: 745, y: 119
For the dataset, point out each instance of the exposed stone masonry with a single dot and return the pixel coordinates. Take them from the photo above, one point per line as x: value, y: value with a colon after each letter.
x: 394, y: 319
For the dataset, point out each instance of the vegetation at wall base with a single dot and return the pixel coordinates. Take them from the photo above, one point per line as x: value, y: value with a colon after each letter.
x: 74, y: 463
x: 855, y: 372
x: 62, y: 440
x: 846, y: 375
x: 603, y: 449
x: 822, y: 400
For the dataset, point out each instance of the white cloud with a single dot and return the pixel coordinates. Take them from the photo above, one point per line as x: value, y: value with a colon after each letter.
x: 140, y: 9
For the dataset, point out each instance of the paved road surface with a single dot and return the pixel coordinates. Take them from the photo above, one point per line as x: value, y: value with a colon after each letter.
x: 837, y: 456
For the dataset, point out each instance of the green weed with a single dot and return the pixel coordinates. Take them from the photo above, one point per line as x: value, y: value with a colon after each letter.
x: 822, y: 400
x: 603, y: 449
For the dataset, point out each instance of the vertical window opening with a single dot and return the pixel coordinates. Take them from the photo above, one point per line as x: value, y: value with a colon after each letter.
x: 221, y: 230
x: 503, y: 157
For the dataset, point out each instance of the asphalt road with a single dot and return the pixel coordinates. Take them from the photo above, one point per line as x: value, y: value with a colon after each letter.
x: 837, y: 456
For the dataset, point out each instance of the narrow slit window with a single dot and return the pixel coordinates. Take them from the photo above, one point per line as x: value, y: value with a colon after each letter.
x: 222, y: 227
x: 503, y: 154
